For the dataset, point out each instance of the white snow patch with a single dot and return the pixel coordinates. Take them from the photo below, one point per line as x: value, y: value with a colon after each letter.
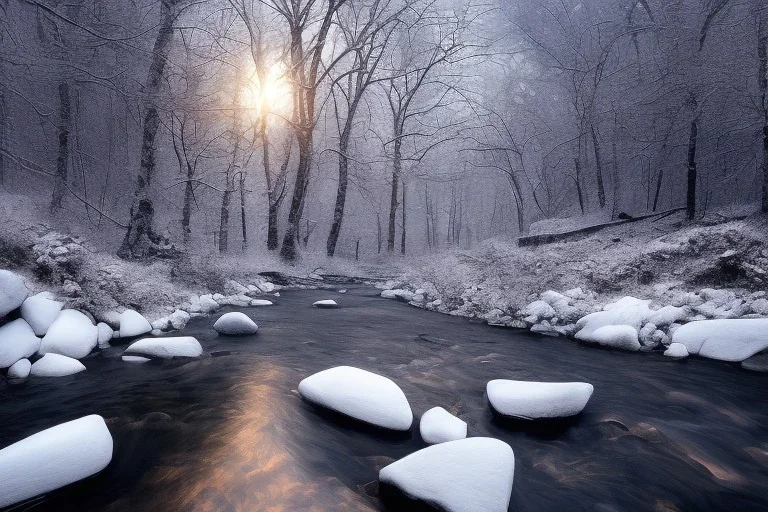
x: 133, y: 323
x: 328, y: 303
x: 40, y: 312
x: 235, y: 324
x: 676, y: 350
x: 727, y: 340
x: 166, y: 348
x: 56, y: 365
x: 261, y: 302
x: 135, y: 359
x: 17, y: 341
x: 54, y: 458
x: 19, y: 369
x: 617, y: 336
x: 72, y: 334
x: 468, y: 475
x: 538, y: 400
x: 538, y: 310
x: 12, y: 292
x: 105, y: 334
x: 439, y: 426
x: 361, y: 394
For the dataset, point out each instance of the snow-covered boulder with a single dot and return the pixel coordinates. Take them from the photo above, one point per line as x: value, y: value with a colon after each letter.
x: 668, y: 315
x: 760, y: 306
x: 538, y: 400
x: 360, y: 394
x: 538, y: 310
x: 646, y: 335
x: 266, y: 287
x: 56, y: 365
x: 161, y: 324
x: 727, y: 340
x: 468, y: 475
x: 676, y: 350
x: 179, y: 319
x: 104, y: 333
x: 133, y: 323
x: 166, y: 348
x: 235, y: 324
x: 207, y: 304
x: 17, y: 341
x: 261, y: 302
x: 40, y: 312
x: 328, y: 303
x: 54, y: 458
x: 610, y: 326
x: 12, y: 292
x: 135, y: 359
x: 439, y: 426
x: 19, y: 369
x: 623, y: 337
x: 399, y: 294
x: 72, y: 334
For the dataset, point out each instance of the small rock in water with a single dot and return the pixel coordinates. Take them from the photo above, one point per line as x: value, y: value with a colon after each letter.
x: 19, y: 370
x: 135, y: 359
x: 133, y: 323
x: 56, y: 365
x: 727, y: 340
x: 676, y: 351
x: 439, y: 426
x: 328, y: 303
x: 360, y: 394
x: 235, y: 324
x: 54, y: 458
x: 105, y: 333
x: 179, y: 319
x: 538, y: 400
x: 261, y: 302
x: 17, y: 341
x: 166, y: 348
x: 72, y: 334
x: 40, y: 312
x: 468, y: 475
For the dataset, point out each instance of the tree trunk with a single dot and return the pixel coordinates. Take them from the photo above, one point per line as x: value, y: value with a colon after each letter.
x: 396, y: 172
x: 243, y: 225
x: 341, y: 191
x: 224, y: 222
x: 691, y: 191
x: 598, y: 168
x: 379, y: 237
x: 3, y: 117
x: 763, y: 78
x: 288, y: 249
x: 403, y: 230
x: 140, y: 239
x: 577, y: 163
x: 186, y: 211
x: 62, y: 162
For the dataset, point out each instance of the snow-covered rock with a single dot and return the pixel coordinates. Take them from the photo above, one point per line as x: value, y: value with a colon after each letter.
x: 646, y: 335
x: 399, y: 294
x: 72, y: 334
x: 727, y: 340
x: 327, y: 303
x: 616, y: 336
x: 668, y: 315
x: 548, y: 330
x: 12, y: 292
x: 439, y: 426
x: 19, y: 369
x: 267, y: 287
x: 676, y: 350
x: 135, y: 359
x: 538, y: 400
x: 104, y: 333
x: 235, y: 324
x: 17, y: 341
x: 56, y: 365
x: 179, y: 319
x: 468, y: 475
x: 208, y: 304
x: 360, y: 394
x: 538, y: 310
x: 54, y: 458
x: 261, y: 302
x: 611, y: 326
x: 232, y: 287
x: 40, y: 312
x: 166, y: 348
x: 133, y: 323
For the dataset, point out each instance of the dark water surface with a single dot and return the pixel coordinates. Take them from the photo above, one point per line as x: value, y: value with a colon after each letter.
x: 229, y: 432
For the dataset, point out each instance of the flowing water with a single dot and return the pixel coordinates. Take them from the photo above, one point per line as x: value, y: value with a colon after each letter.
x: 228, y: 432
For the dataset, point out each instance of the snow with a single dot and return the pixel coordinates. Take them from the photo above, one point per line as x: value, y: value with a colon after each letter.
x: 361, y: 394
x: 179, y: 319
x: 616, y: 336
x: 12, y: 292
x: 104, y: 334
x: 399, y: 293
x: 207, y: 304
x: 668, y: 315
x: 40, y: 312
x: 19, y: 369
x: 235, y: 324
x: 17, y: 341
x: 261, y: 302
x: 166, y: 348
x: 538, y: 400
x: 328, y: 303
x: 72, y: 334
x: 56, y: 365
x: 135, y: 359
x: 132, y: 324
x: 54, y: 458
x: 538, y: 310
x: 439, y: 426
x: 468, y: 475
x: 676, y: 350
x: 727, y: 340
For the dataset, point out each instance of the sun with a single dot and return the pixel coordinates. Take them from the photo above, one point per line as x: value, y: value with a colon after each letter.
x: 273, y: 96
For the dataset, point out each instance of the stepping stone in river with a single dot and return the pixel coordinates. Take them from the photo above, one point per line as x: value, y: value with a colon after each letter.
x: 439, y: 426
x: 359, y: 394
x: 538, y: 400
x: 235, y: 324
x: 328, y: 303
x: 468, y: 475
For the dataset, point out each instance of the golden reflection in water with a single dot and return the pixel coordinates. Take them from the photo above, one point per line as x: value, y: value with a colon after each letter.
x: 245, y: 466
